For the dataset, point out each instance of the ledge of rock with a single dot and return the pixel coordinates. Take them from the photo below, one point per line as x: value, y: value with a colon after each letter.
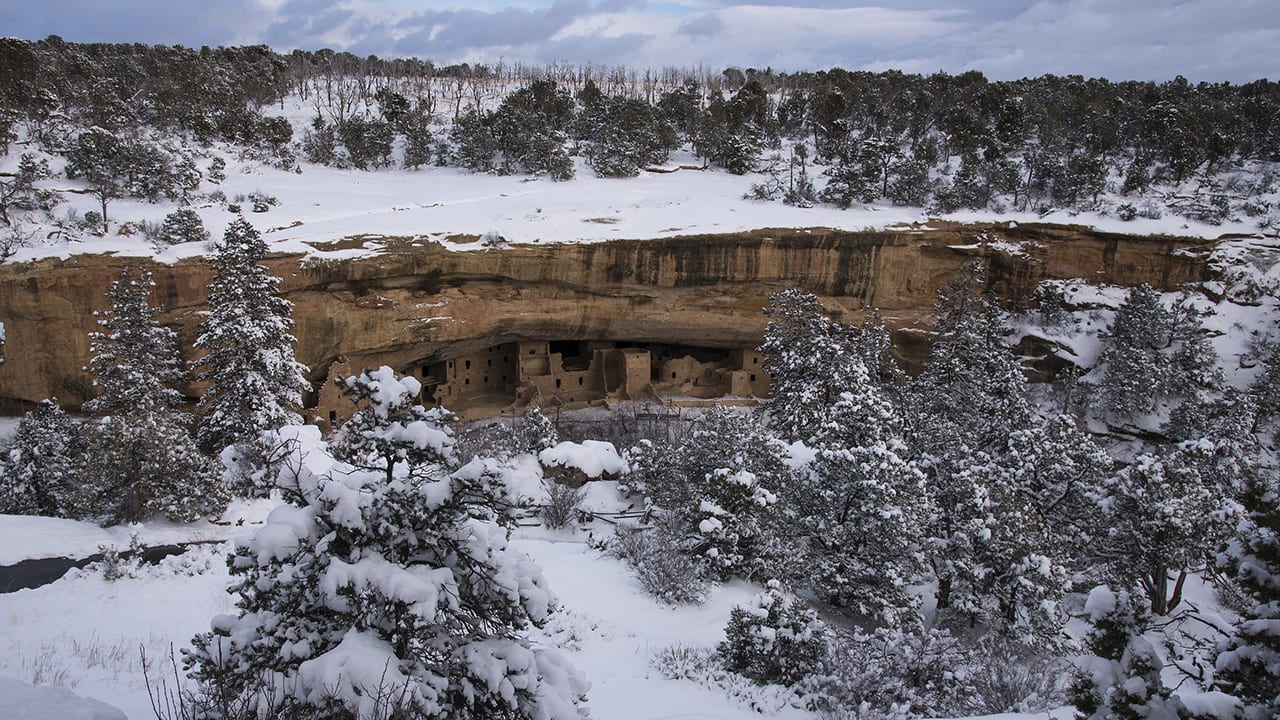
x: 412, y: 304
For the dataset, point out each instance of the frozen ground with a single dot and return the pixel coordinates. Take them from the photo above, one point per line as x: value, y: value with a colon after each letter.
x: 86, y: 635
x: 323, y: 205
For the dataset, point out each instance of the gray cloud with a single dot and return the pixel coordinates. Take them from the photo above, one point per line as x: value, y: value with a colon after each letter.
x: 703, y: 25
x: 587, y: 49
x: 147, y: 21
x: 457, y: 31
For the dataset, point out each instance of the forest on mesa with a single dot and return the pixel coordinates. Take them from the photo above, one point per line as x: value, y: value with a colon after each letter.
x: 131, y: 120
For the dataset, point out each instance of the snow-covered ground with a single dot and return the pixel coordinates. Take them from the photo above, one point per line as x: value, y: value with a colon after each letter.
x: 87, y: 635
x: 321, y: 205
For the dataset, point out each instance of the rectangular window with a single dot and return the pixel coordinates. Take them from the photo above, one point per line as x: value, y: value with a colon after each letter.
x: 557, y: 382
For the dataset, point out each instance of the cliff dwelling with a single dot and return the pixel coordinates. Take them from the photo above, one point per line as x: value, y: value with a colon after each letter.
x: 572, y: 374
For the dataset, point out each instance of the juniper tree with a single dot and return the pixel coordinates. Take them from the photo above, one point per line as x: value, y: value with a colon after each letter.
x: 255, y: 384
x: 142, y: 458
x: 861, y: 505
x: 962, y: 410
x: 390, y: 431
x: 385, y: 588
x: 39, y: 467
x: 183, y: 226
x: 810, y: 360
x: 720, y: 486
x: 1248, y: 665
x: 1164, y: 520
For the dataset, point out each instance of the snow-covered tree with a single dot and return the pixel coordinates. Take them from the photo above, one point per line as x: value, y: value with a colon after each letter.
x: 962, y: 411
x: 1163, y: 521
x: 1121, y: 679
x: 972, y: 388
x: 255, y: 384
x: 385, y: 590
x: 142, y: 458
x: 731, y: 522
x: 535, y: 433
x: 39, y: 466
x: 810, y: 360
x: 1249, y: 665
x: 775, y: 639
x: 1020, y: 519
x: 862, y: 505
x: 721, y: 484
x: 391, y: 432
x: 1152, y: 353
x: 182, y: 226
x: 1134, y: 366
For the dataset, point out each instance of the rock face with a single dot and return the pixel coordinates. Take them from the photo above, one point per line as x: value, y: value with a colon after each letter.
x: 414, y: 304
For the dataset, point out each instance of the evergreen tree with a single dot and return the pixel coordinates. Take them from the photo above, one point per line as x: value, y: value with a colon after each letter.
x: 39, y: 467
x: 1248, y: 665
x: 862, y: 505
x: 255, y: 385
x: 1135, y: 367
x: 390, y: 431
x: 775, y: 639
x: 183, y: 226
x: 1164, y: 520
x: 962, y: 411
x: 385, y: 589
x: 535, y: 433
x: 142, y: 459
x: 810, y: 359
x: 720, y: 487
x: 1121, y: 679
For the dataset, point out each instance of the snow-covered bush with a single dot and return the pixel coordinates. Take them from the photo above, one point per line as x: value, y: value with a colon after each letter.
x: 704, y: 666
x: 534, y: 433
x: 776, y: 639
x: 562, y: 504
x: 182, y: 226
x: 38, y: 474
x: 1009, y: 676
x: 893, y: 672
x: 662, y: 560
x: 385, y: 586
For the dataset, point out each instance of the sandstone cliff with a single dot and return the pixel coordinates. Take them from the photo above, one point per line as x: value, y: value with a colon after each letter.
x: 415, y: 303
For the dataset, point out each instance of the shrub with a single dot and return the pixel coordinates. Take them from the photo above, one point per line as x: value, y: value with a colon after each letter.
x: 776, y: 639
x: 182, y: 226
x: 562, y: 505
x: 664, y: 566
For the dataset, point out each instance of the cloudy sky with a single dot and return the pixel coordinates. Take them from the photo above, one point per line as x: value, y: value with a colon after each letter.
x: 1214, y: 40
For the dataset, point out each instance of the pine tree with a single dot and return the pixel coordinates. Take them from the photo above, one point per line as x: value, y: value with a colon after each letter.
x: 385, y: 589
x: 862, y: 504
x: 810, y: 359
x: 720, y: 486
x: 142, y: 458
x: 962, y: 411
x: 776, y: 639
x: 1164, y: 520
x: 39, y: 467
x: 183, y: 226
x: 390, y: 431
x: 535, y: 433
x: 1121, y: 679
x: 1151, y: 354
x: 255, y: 385
x: 1248, y: 665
